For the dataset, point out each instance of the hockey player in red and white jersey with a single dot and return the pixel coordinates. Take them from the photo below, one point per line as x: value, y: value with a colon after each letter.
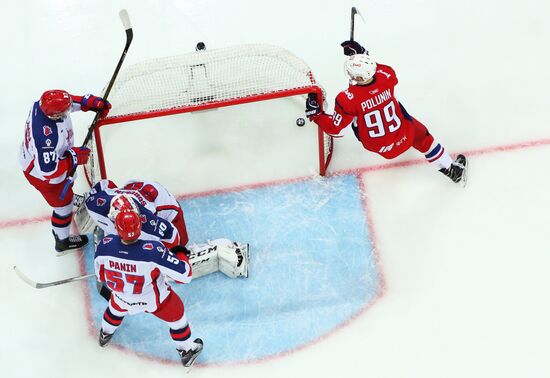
x: 161, y: 212
x: 162, y: 220
x: 136, y: 272
x: 47, y: 155
x: 379, y: 121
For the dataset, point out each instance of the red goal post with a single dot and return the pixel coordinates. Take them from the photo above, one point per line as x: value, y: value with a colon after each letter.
x: 202, y: 80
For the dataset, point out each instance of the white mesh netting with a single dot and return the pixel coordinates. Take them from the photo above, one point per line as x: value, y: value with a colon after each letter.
x: 209, y: 76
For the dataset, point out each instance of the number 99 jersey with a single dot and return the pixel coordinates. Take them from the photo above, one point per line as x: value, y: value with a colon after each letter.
x: 378, y: 120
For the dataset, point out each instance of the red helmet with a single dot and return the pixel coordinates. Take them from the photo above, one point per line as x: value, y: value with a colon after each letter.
x: 128, y: 225
x: 55, y: 103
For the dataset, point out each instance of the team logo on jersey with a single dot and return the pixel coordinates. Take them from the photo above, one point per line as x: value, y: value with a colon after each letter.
x: 47, y: 130
x: 101, y: 201
x: 384, y: 73
x: 48, y: 142
x: 148, y: 246
x: 153, y: 223
x: 374, y: 91
x: 143, y: 218
x: 160, y: 249
x: 107, y: 240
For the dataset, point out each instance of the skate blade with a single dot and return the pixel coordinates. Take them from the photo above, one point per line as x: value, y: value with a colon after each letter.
x: 67, y: 252
x: 464, y: 179
x: 189, y: 365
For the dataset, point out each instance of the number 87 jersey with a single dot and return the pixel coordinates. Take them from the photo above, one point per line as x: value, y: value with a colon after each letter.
x: 378, y: 120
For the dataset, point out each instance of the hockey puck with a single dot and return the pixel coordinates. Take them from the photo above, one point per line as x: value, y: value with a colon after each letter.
x: 300, y: 122
x: 200, y: 46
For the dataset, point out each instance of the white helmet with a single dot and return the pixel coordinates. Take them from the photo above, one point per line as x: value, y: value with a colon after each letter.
x: 121, y: 202
x: 359, y: 68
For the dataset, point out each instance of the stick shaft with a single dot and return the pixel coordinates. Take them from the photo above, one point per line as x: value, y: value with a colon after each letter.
x: 352, y: 23
x: 129, y: 37
x: 41, y: 285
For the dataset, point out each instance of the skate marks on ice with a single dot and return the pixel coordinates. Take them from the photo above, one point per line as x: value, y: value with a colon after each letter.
x: 312, y: 269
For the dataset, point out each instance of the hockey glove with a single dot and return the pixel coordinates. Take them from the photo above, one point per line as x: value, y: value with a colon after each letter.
x: 97, y: 104
x: 181, y: 252
x: 77, y: 156
x: 312, y: 106
x: 352, y: 48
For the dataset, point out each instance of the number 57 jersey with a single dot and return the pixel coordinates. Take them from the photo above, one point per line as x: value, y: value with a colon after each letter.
x: 378, y: 120
x: 136, y: 273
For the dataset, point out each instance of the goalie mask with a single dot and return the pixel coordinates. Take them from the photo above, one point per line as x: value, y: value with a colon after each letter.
x: 55, y: 104
x: 360, y: 68
x: 128, y: 225
x: 121, y: 202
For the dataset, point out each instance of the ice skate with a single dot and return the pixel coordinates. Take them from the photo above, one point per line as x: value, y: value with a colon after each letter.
x: 104, y: 338
x: 72, y: 242
x: 457, y: 170
x: 188, y: 357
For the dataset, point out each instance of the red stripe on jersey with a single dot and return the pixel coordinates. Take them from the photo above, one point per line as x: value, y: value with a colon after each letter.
x: 115, y: 305
x: 169, y: 207
x: 155, y: 273
x: 102, y: 274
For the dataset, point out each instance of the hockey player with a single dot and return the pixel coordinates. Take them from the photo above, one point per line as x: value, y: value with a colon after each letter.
x: 47, y: 155
x: 379, y: 121
x: 161, y: 213
x: 162, y: 220
x: 136, y: 271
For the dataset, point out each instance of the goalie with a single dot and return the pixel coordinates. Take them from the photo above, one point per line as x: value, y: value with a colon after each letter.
x: 162, y: 220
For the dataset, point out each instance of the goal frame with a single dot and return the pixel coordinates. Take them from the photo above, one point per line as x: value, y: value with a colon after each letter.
x: 325, y: 141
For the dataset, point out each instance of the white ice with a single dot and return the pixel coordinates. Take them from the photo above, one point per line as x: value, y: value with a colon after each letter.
x: 466, y: 270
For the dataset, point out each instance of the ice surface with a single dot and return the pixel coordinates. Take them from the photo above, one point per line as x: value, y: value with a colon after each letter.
x: 463, y: 272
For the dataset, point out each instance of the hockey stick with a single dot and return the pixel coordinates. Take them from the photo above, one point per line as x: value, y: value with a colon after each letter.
x: 354, y: 11
x: 129, y: 36
x: 41, y: 285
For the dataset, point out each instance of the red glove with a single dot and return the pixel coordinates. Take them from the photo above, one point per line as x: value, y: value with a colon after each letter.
x: 78, y: 156
x: 97, y: 104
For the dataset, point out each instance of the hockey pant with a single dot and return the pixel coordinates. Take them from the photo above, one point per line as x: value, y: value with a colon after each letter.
x: 171, y: 310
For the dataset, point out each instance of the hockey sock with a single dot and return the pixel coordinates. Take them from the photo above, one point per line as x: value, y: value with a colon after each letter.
x: 61, y: 221
x: 437, y: 156
x: 181, y: 334
x: 111, y: 319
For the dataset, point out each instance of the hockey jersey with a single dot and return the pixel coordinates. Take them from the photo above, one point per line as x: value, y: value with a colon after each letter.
x: 42, y: 152
x: 154, y: 227
x: 136, y: 273
x: 378, y: 120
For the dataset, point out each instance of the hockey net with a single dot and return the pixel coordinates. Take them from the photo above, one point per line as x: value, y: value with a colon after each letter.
x: 204, y: 80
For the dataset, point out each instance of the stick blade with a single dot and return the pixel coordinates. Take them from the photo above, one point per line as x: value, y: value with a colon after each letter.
x: 125, y: 19
x: 25, y: 278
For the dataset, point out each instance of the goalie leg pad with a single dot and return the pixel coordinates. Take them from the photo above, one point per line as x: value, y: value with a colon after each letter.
x: 232, y: 257
x: 203, y: 259
x: 84, y: 222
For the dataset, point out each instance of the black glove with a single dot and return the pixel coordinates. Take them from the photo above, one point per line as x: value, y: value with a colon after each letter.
x: 180, y: 251
x: 352, y: 48
x: 312, y: 106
